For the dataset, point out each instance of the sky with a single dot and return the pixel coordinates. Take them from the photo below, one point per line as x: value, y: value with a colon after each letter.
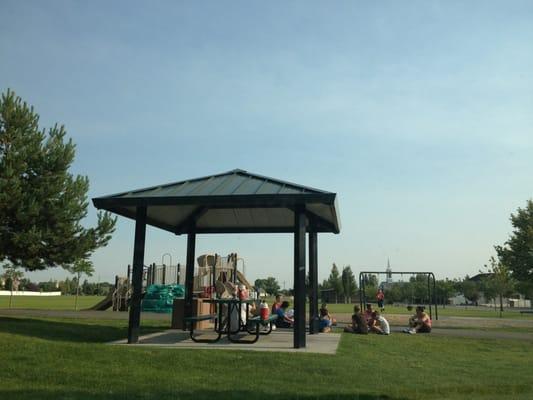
x: 417, y: 114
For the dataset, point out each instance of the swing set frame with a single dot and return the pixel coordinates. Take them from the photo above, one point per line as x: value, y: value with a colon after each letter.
x: 431, y: 285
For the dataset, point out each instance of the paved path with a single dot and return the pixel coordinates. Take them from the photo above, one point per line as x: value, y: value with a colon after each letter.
x: 474, y: 327
x: 476, y: 333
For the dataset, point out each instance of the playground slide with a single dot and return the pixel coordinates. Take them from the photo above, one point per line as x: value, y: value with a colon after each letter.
x: 104, y: 304
x: 243, y: 280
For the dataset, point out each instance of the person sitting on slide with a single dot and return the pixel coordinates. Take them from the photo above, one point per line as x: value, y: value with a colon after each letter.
x: 284, y: 321
x: 359, y: 324
x: 419, y: 323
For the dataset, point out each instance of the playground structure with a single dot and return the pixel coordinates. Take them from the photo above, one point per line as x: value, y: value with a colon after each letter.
x: 211, y: 268
x: 215, y: 270
x: 431, y: 286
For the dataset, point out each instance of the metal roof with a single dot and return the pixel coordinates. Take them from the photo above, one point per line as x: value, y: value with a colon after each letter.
x: 232, y: 202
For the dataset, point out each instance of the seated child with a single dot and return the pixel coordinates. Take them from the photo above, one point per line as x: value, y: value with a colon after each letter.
x: 379, y: 324
x: 284, y: 320
x: 277, y: 304
x: 359, y: 324
x: 368, y: 314
x: 326, y: 320
x: 419, y: 323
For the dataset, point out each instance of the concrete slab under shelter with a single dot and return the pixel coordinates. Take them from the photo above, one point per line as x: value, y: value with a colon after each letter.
x: 277, y: 341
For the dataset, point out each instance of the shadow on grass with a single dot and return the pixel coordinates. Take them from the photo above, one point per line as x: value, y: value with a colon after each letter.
x: 64, y: 331
x: 50, y: 394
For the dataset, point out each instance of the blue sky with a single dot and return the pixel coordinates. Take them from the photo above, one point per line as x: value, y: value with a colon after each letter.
x: 418, y: 114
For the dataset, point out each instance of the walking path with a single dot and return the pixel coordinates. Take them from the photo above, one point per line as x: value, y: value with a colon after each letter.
x: 475, y: 327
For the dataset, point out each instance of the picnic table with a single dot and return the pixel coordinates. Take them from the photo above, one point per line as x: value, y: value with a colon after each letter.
x: 229, y: 321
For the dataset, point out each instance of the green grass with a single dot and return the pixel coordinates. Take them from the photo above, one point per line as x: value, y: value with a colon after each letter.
x: 50, y: 303
x: 66, y: 359
x: 449, y: 311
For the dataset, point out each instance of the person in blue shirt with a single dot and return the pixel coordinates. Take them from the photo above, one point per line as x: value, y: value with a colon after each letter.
x: 284, y: 321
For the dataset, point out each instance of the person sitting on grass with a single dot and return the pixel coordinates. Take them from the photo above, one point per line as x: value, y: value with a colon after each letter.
x: 326, y: 320
x: 368, y: 313
x: 379, y: 324
x: 359, y: 324
x: 284, y: 320
x: 419, y: 323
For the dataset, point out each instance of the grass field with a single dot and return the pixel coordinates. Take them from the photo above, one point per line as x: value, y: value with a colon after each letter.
x: 66, y: 359
x: 50, y: 303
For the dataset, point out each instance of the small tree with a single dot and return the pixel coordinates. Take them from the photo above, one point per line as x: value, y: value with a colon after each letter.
x: 470, y: 290
x: 12, y: 276
x: 271, y: 285
x: 79, y: 268
x: 501, y: 281
x: 445, y: 290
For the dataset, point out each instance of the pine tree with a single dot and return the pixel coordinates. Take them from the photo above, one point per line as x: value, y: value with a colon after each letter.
x: 335, y: 282
x: 348, y: 283
x: 41, y: 203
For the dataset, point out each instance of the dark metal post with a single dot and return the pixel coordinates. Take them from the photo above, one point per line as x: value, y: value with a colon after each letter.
x: 214, y: 278
x: 189, y: 275
x: 164, y: 274
x: 137, y: 275
x: 429, y: 297
x: 313, y: 283
x: 435, y: 297
x: 361, y: 292
x: 299, y: 277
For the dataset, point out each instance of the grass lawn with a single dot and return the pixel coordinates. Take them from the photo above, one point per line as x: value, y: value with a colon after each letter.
x: 50, y: 303
x: 66, y: 359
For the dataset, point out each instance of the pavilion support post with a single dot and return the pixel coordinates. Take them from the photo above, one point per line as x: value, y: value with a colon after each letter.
x: 299, y: 277
x: 137, y: 275
x: 313, y: 283
x: 189, y: 275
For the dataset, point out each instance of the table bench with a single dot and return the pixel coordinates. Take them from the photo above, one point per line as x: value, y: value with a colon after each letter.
x: 198, y: 318
x: 265, y: 322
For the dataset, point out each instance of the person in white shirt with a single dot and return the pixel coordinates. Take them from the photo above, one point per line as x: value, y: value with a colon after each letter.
x: 379, y: 324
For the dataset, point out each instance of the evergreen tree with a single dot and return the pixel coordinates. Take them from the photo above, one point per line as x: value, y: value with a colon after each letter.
x: 41, y: 203
x: 348, y: 283
x: 335, y: 282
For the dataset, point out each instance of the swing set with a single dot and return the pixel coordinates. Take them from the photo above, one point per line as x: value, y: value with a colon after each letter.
x: 431, y: 286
